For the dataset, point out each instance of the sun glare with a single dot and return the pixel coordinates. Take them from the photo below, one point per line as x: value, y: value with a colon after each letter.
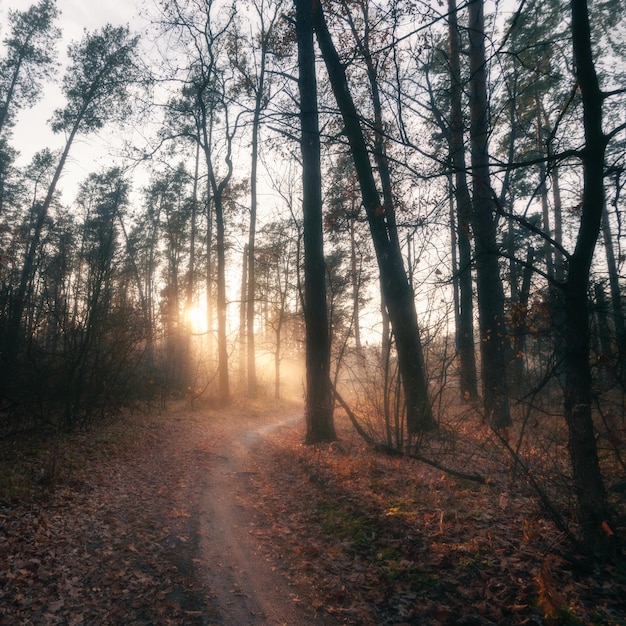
x: 196, y: 318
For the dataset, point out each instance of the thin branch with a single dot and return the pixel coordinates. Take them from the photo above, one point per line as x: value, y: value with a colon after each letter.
x: 545, y: 501
x: 387, y: 449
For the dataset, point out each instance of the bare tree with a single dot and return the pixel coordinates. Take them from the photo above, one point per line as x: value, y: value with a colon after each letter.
x: 397, y: 293
x: 255, y: 77
x: 493, y: 339
x: 463, y: 201
x: 319, y: 410
x: 595, y: 514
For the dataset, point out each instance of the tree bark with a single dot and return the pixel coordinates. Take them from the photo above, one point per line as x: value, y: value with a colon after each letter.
x: 490, y: 292
x: 463, y: 275
x: 319, y: 417
x: 397, y: 293
x: 242, y: 316
x: 616, y: 294
x: 592, y: 500
x: 251, y: 297
x: 355, y: 279
x: 222, y: 340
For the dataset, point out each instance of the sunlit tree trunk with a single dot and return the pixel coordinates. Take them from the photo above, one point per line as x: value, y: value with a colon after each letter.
x: 242, y: 315
x: 217, y: 189
x: 222, y: 337
x: 191, y: 270
x: 210, y: 304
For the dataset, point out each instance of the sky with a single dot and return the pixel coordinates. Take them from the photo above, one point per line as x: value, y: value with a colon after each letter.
x: 32, y: 132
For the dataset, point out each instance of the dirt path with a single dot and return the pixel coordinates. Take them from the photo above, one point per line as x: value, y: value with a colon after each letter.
x: 151, y: 519
x: 247, y: 585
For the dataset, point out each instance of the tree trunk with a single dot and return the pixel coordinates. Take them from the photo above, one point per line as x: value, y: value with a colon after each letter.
x: 209, y: 274
x: 592, y: 500
x: 519, y: 321
x: 356, y: 284
x: 559, y: 263
x: 463, y: 275
x: 242, y: 316
x: 218, y: 189
x: 251, y: 298
x: 319, y: 417
x: 222, y: 339
x: 616, y: 294
x: 601, y: 337
x: 490, y: 292
x: 397, y: 293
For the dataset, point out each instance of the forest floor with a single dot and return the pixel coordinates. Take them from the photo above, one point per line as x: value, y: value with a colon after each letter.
x: 199, y: 515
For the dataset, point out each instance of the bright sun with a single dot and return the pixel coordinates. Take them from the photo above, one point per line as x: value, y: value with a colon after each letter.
x: 196, y: 318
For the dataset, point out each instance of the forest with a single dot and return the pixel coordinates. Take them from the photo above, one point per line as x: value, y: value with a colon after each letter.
x: 407, y: 212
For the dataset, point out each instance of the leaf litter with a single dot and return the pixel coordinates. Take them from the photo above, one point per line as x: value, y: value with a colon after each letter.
x: 366, y: 538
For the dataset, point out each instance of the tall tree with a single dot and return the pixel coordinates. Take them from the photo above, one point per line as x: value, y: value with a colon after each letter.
x: 256, y: 81
x: 617, y: 308
x: 493, y: 339
x: 171, y: 202
x: 29, y: 57
x: 538, y: 99
x: 397, y: 292
x: 463, y: 201
x: 319, y: 414
x: 593, y: 505
x: 204, y: 27
x: 341, y: 219
x: 277, y: 265
x: 96, y: 86
x: 102, y: 197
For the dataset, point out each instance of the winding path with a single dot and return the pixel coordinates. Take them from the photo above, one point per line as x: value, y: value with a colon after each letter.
x: 247, y: 586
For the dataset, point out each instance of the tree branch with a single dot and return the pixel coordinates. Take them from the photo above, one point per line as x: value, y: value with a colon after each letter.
x: 382, y: 447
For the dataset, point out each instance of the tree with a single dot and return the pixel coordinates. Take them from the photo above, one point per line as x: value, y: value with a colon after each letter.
x: 463, y: 201
x: 616, y: 293
x: 102, y: 197
x: 29, y: 58
x: 275, y: 288
x: 96, y: 87
x: 341, y: 219
x: 207, y: 102
x: 319, y: 417
x: 592, y: 499
x: 537, y: 102
x: 397, y: 292
x: 492, y: 326
x: 256, y: 81
x: 171, y: 202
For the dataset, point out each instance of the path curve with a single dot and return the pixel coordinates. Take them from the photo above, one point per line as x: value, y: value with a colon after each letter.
x: 247, y: 586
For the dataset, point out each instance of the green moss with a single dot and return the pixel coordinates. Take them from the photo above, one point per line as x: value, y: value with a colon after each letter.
x: 349, y: 526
